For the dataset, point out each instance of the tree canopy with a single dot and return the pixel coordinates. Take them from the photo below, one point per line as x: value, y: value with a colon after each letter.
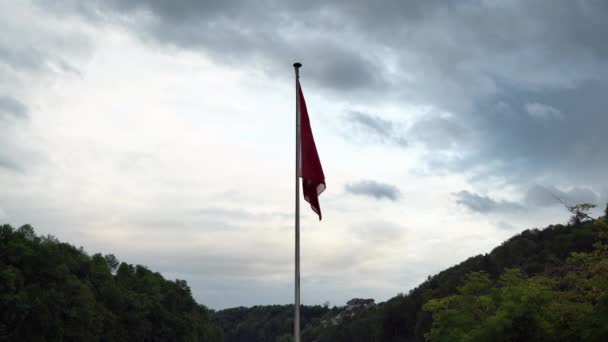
x: 542, y: 284
x: 569, y: 305
x: 52, y: 291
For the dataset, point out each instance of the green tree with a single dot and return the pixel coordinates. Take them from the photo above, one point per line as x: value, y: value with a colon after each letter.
x: 52, y: 291
x: 571, y: 306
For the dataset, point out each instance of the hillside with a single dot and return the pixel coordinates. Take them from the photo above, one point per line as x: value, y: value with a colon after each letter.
x: 52, y: 291
x: 268, y: 323
x: 274, y: 323
x: 542, y: 284
x: 550, y: 252
x: 536, y: 256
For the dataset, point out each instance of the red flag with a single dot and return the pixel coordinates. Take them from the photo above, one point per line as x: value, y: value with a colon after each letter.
x: 313, y: 179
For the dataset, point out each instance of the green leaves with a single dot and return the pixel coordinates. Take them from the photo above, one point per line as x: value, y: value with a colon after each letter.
x: 570, y: 307
x: 52, y: 291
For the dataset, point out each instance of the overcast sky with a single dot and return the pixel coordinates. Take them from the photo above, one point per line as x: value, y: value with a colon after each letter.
x: 162, y: 132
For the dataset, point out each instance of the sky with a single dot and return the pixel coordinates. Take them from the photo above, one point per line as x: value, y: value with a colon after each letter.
x: 163, y: 132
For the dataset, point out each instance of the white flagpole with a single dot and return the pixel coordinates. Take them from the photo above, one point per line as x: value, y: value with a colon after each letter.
x: 296, y: 320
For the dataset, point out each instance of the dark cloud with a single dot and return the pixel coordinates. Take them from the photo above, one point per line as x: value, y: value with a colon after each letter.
x: 9, y: 164
x: 374, y: 128
x: 374, y: 189
x: 484, y: 204
x: 36, y: 48
x: 536, y: 197
x: 268, y: 36
x: 440, y: 133
x: 524, y: 82
x: 13, y: 107
x: 542, y: 196
x: 374, y: 124
x: 567, y: 144
x: 28, y: 58
x: 453, y: 48
x: 500, y: 69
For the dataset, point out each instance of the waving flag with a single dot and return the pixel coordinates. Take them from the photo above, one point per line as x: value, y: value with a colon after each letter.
x: 311, y: 172
x: 308, y: 167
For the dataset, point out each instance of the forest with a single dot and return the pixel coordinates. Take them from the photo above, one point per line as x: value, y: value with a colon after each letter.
x: 540, y: 285
x: 546, y: 284
x: 53, y: 291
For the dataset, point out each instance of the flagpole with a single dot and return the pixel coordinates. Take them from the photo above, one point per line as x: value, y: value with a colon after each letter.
x: 296, y: 320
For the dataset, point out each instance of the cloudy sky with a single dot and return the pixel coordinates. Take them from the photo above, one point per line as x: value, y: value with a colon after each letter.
x: 162, y: 132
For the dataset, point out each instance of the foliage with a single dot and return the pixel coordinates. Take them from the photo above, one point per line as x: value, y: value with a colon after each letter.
x: 580, y: 212
x: 268, y: 323
x: 52, y: 291
x: 570, y: 306
x: 534, y: 253
x: 545, y: 285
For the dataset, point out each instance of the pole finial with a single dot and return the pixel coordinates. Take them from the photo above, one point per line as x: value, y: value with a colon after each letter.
x: 297, y: 65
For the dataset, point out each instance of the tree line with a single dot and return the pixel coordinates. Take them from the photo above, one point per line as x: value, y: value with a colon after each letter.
x: 546, y: 284
x: 53, y: 291
x: 542, y: 284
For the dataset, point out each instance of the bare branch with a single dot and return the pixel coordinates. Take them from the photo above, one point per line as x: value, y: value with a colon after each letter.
x: 580, y: 212
x: 559, y: 199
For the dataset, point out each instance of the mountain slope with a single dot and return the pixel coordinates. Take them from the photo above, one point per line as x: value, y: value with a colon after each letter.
x: 533, y: 252
x: 52, y: 291
x: 267, y: 323
x: 568, y: 304
x: 547, y: 284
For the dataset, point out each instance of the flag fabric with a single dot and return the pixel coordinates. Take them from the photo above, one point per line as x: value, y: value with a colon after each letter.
x: 313, y: 179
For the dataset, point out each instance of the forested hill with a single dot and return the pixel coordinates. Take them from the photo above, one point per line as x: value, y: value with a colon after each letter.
x: 269, y: 323
x: 541, y: 285
x: 52, y: 291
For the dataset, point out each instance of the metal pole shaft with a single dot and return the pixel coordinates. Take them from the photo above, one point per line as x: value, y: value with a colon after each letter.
x: 296, y: 321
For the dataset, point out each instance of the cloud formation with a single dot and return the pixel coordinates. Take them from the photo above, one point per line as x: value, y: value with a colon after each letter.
x: 12, y: 107
x: 536, y: 197
x: 485, y: 204
x: 466, y: 73
x: 371, y: 188
x: 543, y: 196
x: 376, y: 129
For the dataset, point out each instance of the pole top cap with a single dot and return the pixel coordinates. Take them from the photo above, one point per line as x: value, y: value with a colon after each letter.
x: 297, y: 65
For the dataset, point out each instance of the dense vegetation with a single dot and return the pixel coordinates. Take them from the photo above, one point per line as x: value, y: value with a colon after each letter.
x: 541, y: 285
x: 52, y: 291
x: 546, y: 285
x: 569, y: 305
x: 268, y: 323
